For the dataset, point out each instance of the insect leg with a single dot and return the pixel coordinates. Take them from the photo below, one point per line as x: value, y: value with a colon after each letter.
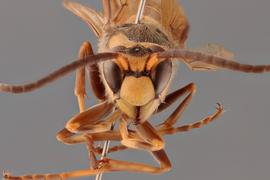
x: 106, y: 165
x: 76, y: 126
x: 96, y: 84
x: 68, y: 137
x: 91, y: 152
x: 112, y: 149
x: 171, y: 98
x: 79, y: 91
x: 146, y: 132
x: 167, y: 130
x: 147, y: 138
x: 88, y: 119
x: 198, y: 124
x: 114, y: 135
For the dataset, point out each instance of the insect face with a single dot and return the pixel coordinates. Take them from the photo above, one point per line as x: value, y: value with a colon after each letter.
x: 136, y: 85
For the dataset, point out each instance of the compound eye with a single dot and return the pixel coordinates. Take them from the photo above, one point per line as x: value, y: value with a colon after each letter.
x: 161, y: 76
x: 113, y: 75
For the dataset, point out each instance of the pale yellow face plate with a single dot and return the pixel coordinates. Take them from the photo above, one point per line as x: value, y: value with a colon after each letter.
x: 137, y: 91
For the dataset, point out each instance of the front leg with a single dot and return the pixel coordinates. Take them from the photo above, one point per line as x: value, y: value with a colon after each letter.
x: 79, y: 91
x: 190, y: 90
x: 145, y: 138
x: 145, y: 133
x: 198, y: 124
x: 87, y: 122
x: 80, y: 122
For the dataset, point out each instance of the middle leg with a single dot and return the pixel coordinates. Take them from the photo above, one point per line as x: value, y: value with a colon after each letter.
x: 198, y: 124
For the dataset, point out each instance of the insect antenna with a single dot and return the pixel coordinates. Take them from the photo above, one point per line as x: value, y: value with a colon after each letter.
x: 190, y: 57
x: 93, y: 59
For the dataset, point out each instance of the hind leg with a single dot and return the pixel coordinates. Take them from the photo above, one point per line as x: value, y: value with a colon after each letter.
x: 106, y: 165
x: 110, y: 165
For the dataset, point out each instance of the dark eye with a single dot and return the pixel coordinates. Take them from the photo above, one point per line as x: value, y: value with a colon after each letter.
x: 113, y: 75
x: 161, y: 75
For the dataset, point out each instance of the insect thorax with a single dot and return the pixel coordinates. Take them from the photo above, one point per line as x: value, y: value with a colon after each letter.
x: 140, y: 33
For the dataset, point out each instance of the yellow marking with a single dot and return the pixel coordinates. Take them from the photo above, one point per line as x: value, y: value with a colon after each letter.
x: 152, y: 62
x: 73, y: 127
x: 137, y: 64
x: 127, y: 108
x: 137, y: 91
x: 148, y: 109
x: 123, y: 62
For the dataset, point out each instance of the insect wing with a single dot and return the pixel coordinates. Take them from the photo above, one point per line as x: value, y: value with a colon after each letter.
x: 94, y: 19
x: 210, y: 49
x: 166, y: 13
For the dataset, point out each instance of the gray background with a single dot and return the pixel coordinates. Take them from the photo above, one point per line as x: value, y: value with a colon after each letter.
x: 37, y: 37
